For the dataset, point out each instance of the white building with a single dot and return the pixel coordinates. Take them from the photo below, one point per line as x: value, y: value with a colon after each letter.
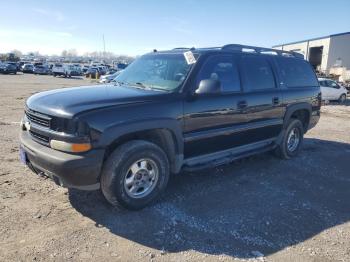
x: 323, y: 53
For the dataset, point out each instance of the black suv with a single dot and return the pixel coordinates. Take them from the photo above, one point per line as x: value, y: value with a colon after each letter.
x: 8, y: 68
x: 182, y: 109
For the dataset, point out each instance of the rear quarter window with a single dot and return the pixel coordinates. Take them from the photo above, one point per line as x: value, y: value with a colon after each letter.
x: 296, y: 72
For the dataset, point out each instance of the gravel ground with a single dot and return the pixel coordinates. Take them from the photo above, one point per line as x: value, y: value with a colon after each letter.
x: 260, y: 208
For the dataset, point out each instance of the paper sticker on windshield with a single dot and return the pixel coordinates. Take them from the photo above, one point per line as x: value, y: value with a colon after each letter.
x: 190, y: 59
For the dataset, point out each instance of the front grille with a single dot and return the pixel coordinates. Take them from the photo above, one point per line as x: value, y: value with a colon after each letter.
x: 38, y: 119
x: 38, y: 137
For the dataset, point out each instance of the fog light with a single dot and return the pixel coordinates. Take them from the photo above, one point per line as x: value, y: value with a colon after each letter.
x: 70, y: 147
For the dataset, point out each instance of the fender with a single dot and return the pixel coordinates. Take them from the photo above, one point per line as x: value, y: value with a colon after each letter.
x: 294, y: 107
x: 112, y: 133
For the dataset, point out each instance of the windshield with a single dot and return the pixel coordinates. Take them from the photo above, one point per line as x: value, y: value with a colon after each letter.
x: 156, y: 71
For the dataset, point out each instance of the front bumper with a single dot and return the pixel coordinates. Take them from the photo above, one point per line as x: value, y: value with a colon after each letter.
x: 68, y: 170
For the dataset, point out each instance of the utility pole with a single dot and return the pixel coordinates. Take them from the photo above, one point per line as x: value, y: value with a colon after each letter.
x: 104, y: 46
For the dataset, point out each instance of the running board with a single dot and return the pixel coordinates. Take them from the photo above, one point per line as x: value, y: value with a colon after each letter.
x: 227, y: 156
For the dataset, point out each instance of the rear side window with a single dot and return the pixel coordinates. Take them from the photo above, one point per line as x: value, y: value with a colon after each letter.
x: 223, y: 69
x: 257, y: 73
x: 296, y: 72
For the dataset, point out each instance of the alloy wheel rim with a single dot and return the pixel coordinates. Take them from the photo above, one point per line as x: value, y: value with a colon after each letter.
x: 141, y: 178
x: 293, y: 139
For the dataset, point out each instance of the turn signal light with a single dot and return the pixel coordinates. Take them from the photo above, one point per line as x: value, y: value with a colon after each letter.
x: 70, y: 147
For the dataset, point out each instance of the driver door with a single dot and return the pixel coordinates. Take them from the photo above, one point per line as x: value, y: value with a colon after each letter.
x: 209, y: 119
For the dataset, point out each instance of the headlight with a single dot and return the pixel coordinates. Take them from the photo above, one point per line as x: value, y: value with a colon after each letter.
x: 70, y: 147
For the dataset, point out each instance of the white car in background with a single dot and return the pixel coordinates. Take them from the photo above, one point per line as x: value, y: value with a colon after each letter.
x: 331, y: 90
x: 109, y: 78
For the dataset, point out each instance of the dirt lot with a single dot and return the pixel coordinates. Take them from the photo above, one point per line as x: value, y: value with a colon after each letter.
x: 260, y: 208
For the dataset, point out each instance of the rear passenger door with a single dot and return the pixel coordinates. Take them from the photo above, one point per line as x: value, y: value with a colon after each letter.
x: 262, y: 100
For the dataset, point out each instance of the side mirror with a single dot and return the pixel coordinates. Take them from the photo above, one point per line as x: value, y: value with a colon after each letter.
x: 209, y: 86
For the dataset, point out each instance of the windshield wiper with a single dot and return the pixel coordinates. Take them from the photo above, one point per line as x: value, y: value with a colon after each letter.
x: 140, y: 85
x: 119, y: 82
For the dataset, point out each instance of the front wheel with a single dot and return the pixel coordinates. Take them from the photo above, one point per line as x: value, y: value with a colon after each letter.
x: 291, y: 141
x: 135, y: 174
x: 342, y: 99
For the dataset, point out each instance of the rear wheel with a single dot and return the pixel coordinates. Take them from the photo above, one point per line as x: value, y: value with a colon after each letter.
x: 342, y: 98
x: 291, y: 141
x: 135, y: 174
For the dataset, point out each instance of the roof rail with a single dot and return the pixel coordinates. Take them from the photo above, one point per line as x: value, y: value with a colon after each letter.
x: 261, y: 50
x: 184, y: 48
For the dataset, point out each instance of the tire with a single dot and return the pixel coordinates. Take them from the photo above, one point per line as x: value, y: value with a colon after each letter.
x: 54, y: 75
x: 342, y: 99
x: 287, y: 149
x: 118, y: 169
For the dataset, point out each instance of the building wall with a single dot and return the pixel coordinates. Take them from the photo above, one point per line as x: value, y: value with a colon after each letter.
x: 304, y: 47
x: 340, y: 48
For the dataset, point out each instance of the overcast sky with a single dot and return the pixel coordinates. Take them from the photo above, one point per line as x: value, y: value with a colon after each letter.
x: 137, y: 26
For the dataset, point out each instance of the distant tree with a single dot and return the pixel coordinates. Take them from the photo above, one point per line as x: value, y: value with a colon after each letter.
x: 64, y: 53
x: 16, y: 52
x: 3, y: 57
x: 72, y: 53
x: 12, y: 57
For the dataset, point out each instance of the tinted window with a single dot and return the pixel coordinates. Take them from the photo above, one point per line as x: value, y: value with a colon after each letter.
x: 296, y: 72
x: 223, y: 69
x: 257, y: 73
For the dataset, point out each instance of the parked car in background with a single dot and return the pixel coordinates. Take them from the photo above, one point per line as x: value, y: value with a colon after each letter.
x: 109, y: 78
x: 92, y: 72
x: 84, y: 68
x: 28, y: 68
x: 111, y: 71
x: 20, y: 65
x: 347, y: 86
x: 8, y: 68
x: 66, y: 70
x: 331, y: 90
x: 71, y: 70
x: 102, y: 70
x: 121, y: 66
x: 41, y: 70
x: 78, y: 68
x: 58, y: 69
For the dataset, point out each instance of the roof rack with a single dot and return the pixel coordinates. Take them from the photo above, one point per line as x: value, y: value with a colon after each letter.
x: 184, y: 48
x: 260, y: 50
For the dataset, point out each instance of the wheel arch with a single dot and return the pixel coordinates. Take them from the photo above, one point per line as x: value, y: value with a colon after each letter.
x: 301, y: 111
x: 166, y: 134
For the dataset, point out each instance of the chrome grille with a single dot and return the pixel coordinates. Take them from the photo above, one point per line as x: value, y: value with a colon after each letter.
x: 38, y: 119
x: 40, y: 138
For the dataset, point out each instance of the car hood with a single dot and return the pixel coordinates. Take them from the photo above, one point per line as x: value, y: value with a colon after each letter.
x: 68, y: 102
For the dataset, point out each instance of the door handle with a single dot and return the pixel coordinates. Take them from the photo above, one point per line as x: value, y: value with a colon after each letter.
x: 242, y: 104
x: 275, y: 100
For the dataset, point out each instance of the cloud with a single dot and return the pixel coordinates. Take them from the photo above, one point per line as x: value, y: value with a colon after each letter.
x: 57, y: 15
